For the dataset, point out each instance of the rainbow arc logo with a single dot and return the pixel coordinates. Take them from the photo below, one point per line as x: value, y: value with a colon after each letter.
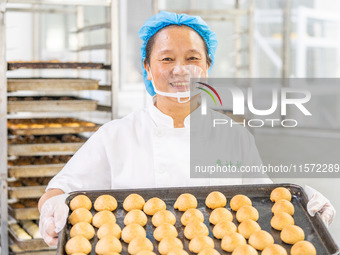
x: 209, y: 93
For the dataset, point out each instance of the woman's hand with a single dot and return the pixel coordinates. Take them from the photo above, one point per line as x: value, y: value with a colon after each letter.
x: 318, y: 203
x: 53, y: 216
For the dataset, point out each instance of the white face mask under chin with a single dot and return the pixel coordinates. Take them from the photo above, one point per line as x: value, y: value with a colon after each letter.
x: 179, y: 95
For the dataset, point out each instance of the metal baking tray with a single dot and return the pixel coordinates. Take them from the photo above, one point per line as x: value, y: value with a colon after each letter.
x: 28, y: 245
x: 16, y: 250
x: 56, y: 104
x: 51, y: 130
x: 53, y: 65
x: 43, y: 149
x: 26, y: 191
x: 48, y: 170
x: 31, y: 213
x: 43, y: 252
x: 51, y: 84
x: 315, y: 230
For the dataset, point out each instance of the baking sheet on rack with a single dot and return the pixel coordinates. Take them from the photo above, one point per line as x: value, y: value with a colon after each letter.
x: 26, y: 191
x: 53, y: 104
x: 315, y: 230
x: 24, y: 213
x: 51, y: 84
x: 43, y: 149
x: 46, y: 170
x: 46, y: 126
x: 28, y: 245
x: 16, y: 250
x: 52, y: 131
x: 42, y: 252
x: 53, y: 65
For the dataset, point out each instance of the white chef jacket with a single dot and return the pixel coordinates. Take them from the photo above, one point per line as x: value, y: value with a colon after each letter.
x: 144, y: 150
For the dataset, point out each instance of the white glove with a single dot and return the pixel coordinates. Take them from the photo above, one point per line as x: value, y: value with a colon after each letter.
x: 53, y: 218
x: 318, y: 203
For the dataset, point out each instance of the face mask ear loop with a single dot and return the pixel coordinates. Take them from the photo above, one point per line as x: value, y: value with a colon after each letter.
x: 152, y: 80
x: 182, y: 102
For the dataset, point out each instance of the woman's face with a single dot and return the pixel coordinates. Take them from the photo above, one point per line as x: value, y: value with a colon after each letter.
x: 177, y: 55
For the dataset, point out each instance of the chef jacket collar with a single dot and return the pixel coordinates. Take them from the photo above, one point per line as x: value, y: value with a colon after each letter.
x: 163, y: 120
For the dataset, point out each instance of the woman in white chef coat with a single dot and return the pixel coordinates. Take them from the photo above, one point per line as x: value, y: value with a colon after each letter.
x: 151, y: 147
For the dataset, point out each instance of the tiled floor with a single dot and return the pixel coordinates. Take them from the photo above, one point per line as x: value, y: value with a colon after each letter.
x: 284, y: 149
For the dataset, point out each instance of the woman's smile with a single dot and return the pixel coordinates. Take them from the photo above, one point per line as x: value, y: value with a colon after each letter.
x: 180, y: 86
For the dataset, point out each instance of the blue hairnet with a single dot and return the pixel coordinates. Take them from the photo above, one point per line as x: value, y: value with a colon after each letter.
x: 163, y: 19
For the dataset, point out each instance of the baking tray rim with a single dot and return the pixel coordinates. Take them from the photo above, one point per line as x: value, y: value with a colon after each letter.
x: 26, y: 187
x: 27, y: 145
x: 51, y: 84
x: 49, y: 118
x: 21, y: 209
x: 53, y: 65
x: 25, y: 244
x: 13, y: 191
x: 50, y: 79
x: 14, y: 211
x: 36, y: 166
x: 54, y: 131
x: 17, y: 144
x: 29, y: 252
x: 71, y: 100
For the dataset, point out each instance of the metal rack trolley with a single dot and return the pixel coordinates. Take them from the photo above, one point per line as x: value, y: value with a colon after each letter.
x: 112, y: 58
